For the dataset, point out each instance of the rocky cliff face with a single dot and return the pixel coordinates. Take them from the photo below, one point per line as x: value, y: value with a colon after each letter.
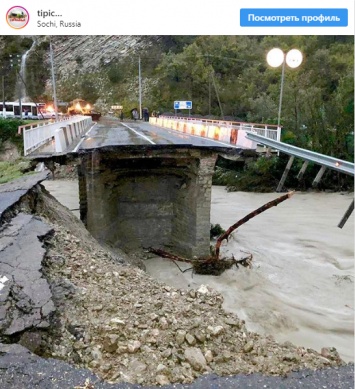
x: 88, y: 53
x: 81, y: 64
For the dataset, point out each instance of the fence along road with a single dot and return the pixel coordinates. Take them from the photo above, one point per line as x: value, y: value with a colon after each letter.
x: 63, y: 132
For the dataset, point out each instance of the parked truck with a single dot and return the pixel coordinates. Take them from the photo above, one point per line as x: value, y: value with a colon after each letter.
x: 82, y: 107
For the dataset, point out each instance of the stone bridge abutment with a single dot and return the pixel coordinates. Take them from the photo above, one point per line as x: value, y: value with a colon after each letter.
x: 156, y: 198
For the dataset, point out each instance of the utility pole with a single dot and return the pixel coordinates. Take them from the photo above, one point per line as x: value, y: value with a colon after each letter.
x: 55, y: 105
x: 14, y: 63
x: 140, y: 87
x: 19, y: 93
x: 3, y: 97
x: 209, y: 93
x: 219, y: 101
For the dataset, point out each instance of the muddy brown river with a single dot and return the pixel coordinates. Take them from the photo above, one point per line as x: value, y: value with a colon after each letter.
x: 301, y: 285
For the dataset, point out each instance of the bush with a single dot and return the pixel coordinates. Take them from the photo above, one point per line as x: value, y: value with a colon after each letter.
x: 216, y: 230
x: 264, y: 174
x: 261, y: 175
x: 8, y: 131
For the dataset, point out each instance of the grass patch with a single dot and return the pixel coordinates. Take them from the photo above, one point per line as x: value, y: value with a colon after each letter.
x: 11, y: 170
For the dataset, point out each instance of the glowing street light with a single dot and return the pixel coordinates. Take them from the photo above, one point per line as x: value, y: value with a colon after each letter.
x: 276, y: 57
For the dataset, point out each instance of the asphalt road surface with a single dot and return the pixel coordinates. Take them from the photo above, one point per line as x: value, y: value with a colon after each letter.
x: 112, y: 132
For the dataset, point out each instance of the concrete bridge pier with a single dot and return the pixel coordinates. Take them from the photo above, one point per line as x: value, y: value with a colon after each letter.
x: 158, y: 198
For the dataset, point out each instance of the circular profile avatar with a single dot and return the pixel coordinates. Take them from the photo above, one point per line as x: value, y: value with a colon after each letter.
x: 17, y: 17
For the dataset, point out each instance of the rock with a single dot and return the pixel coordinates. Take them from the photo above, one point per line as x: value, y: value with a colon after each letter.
x: 96, y: 354
x: 248, y: 347
x: 166, y: 353
x: 162, y: 379
x: 134, y: 346
x: 195, y: 358
x: 192, y: 293
x: 190, y: 339
x: 137, y: 367
x: 32, y: 341
x: 180, y: 337
x: 200, y: 336
x: 215, y: 331
x: 232, y: 322
x: 163, y: 323
x: 162, y: 369
x: 110, y: 343
x: 203, y: 289
x: 209, y: 356
x: 117, y: 320
x: 330, y: 353
x: 292, y: 357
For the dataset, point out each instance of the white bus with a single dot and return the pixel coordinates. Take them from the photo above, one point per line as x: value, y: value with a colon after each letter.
x: 29, y: 110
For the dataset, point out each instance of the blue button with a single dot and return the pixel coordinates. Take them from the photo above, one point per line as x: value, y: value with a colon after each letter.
x: 294, y: 17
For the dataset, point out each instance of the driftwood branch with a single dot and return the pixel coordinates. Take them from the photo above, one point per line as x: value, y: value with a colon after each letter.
x: 165, y: 254
x: 246, y: 261
x: 248, y: 217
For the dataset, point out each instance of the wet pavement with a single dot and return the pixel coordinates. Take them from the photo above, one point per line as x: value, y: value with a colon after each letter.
x: 112, y: 132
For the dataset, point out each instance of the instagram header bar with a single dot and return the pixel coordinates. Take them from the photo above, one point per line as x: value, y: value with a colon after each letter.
x: 183, y: 17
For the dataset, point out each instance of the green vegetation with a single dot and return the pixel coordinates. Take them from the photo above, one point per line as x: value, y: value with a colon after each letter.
x: 225, y: 77
x: 15, y: 169
x: 8, y: 131
x: 264, y: 173
x: 216, y: 230
x: 10, y: 170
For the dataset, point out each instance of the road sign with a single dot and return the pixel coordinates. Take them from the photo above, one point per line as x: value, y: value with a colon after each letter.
x: 182, y: 104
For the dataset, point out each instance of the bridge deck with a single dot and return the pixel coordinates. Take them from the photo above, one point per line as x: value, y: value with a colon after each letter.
x: 112, y: 132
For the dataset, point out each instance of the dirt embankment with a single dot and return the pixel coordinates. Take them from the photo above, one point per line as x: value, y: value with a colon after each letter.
x: 116, y: 320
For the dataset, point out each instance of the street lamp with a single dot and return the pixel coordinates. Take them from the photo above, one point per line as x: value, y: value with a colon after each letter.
x: 276, y: 57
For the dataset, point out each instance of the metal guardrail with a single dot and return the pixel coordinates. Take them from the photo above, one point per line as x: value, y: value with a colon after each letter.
x: 307, y: 155
x: 269, y: 130
x: 229, y: 132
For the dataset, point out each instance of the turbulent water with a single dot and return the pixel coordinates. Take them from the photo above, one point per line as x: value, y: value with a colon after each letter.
x: 301, y: 285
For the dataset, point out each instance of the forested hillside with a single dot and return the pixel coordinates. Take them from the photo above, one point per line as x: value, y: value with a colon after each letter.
x: 224, y: 76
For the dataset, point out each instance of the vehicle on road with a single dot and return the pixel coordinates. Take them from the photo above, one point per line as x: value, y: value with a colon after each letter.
x: 83, y: 107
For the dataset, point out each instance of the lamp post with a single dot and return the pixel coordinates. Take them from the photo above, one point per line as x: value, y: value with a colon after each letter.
x: 55, y: 104
x: 15, y: 62
x: 276, y: 57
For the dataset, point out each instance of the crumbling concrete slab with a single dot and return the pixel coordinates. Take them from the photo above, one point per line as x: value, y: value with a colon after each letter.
x: 25, y: 296
x: 11, y: 192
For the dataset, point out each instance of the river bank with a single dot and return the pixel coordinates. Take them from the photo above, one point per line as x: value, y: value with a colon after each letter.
x: 301, y: 286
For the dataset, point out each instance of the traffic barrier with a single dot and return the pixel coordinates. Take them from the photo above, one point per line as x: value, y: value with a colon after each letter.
x: 64, y: 133
x: 229, y: 132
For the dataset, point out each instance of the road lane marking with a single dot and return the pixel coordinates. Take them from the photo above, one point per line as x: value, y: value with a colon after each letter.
x: 141, y: 135
x: 83, y: 138
x: 3, y: 280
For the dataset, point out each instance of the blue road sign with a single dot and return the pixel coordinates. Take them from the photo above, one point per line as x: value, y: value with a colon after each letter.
x: 182, y: 104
